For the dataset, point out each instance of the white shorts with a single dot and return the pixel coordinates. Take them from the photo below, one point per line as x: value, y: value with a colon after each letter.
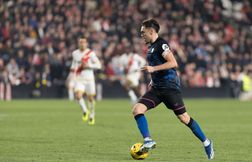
x: 87, y: 87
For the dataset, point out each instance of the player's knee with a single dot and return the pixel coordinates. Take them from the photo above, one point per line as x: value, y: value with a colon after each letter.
x: 78, y: 96
x: 90, y: 98
x: 184, y: 118
x: 139, y: 109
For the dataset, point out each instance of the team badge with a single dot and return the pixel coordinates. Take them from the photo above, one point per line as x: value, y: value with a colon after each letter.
x: 165, y: 47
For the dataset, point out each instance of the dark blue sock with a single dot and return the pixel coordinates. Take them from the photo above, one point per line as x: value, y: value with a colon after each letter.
x: 194, y: 126
x: 142, y: 125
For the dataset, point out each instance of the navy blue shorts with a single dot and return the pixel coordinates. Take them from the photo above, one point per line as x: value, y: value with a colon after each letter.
x: 172, y: 99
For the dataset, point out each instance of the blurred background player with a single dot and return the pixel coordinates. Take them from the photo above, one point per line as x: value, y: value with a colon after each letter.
x: 132, y: 63
x: 82, y: 76
x: 5, y: 85
x: 246, y: 94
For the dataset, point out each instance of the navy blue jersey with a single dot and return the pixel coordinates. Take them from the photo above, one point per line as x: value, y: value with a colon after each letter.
x: 164, y: 78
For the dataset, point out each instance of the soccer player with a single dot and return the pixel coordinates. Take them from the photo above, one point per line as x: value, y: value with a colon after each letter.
x: 83, y: 65
x: 246, y: 94
x: 5, y: 84
x: 132, y: 63
x: 165, y: 87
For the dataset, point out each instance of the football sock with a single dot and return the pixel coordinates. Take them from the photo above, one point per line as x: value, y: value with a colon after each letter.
x: 206, y: 142
x: 194, y: 126
x: 2, y: 89
x: 91, y: 106
x: 83, y: 105
x: 99, y: 92
x: 147, y: 139
x: 142, y: 125
x: 133, y: 96
x: 70, y: 94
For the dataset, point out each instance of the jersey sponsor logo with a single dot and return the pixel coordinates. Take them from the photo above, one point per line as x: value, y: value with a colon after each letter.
x: 165, y: 47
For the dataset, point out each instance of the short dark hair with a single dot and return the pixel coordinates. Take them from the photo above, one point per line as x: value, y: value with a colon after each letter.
x: 151, y: 23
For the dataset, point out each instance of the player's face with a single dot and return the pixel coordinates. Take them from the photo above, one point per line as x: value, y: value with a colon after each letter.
x: 82, y: 43
x: 146, y: 34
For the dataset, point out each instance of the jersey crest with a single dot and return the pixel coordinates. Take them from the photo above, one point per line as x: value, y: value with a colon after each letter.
x: 165, y: 47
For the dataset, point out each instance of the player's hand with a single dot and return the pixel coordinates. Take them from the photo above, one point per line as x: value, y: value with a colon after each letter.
x: 149, y: 69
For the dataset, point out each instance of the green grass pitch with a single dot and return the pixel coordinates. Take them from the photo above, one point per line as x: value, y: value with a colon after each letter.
x: 52, y: 131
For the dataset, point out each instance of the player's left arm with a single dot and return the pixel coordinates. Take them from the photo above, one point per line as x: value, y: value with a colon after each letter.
x: 73, y: 68
x: 169, y: 64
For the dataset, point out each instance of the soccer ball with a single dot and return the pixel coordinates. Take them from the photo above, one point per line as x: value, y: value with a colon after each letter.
x: 134, y: 152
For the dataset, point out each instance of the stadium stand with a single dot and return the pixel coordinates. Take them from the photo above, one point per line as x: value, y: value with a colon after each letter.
x: 212, y: 39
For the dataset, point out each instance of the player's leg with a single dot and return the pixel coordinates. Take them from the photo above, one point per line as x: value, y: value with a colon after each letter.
x: 174, y: 101
x: 79, y: 91
x: 8, y: 96
x: 138, y: 111
x: 91, y: 105
x: 128, y: 86
x: 70, y: 88
x: 197, y: 131
x: 2, y: 90
x: 136, y: 87
x: 91, y: 92
x: 147, y: 101
x: 99, y: 91
x: 132, y: 95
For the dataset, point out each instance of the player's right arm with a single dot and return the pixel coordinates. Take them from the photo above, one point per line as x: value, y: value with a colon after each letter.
x: 74, y: 66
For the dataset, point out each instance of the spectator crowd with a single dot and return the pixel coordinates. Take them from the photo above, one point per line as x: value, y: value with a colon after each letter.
x: 212, y: 39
